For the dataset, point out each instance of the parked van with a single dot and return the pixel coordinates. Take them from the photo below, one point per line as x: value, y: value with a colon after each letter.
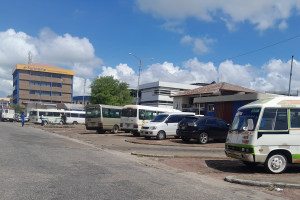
x: 266, y: 132
x: 135, y: 116
x: 163, y: 125
x: 7, y: 113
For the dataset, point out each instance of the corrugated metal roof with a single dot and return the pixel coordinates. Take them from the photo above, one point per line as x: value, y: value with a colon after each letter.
x: 209, y: 89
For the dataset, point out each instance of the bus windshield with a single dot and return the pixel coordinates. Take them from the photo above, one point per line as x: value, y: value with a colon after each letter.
x: 160, y: 118
x: 129, y: 112
x: 32, y: 113
x: 240, y: 122
x: 92, y: 112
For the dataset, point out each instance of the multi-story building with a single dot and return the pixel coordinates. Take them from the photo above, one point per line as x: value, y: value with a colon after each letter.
x: 81, y: 100
x: 42, y: 83
x: 158, y: 93
x: 4, y: 102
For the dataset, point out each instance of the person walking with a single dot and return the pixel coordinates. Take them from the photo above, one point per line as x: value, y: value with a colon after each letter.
x: 42, y: 118
x: 23, y: 118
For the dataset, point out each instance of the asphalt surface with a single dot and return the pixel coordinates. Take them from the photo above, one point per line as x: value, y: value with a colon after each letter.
x: 40, y: 165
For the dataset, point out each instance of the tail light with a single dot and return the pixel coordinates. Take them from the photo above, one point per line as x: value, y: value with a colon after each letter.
x: 135, y: 126
x: 121, y: 125
x: 100, y: 124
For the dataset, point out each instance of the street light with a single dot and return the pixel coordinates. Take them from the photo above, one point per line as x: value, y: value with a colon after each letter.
x: 140, y: 66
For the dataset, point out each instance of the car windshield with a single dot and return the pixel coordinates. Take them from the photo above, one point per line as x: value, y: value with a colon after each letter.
x: 241, y: 119
x: 160, y: 118
x: 92, y: 112
x: 129, y: 112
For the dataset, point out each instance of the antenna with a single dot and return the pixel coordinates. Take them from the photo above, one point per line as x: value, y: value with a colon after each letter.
x: 29, y: 57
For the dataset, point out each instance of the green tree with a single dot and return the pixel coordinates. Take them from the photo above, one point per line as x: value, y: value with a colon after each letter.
x: 17, y: 107
x: 110, y: 91
x: 9, y: 96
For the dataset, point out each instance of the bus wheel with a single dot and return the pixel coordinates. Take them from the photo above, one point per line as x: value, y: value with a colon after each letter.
x: 75, y: 123
x: 161, y: 135
x: 276, y: 164
x: 60, y: 122
x: 250, y: 164
x: 115, y: 129
x: 45, y: 122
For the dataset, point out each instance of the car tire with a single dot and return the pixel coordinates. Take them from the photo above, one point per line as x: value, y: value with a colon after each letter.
x: 177, y: 137
x: 185, y: 139
x: 276, y: 163
x: 45, y: 122
x: 203, y: 138
x: 115, y: 129
x: 161, y: 135
x: 148, y: 138
x: 75, y: 123
x: 61, y: 123
x: 250, y: 164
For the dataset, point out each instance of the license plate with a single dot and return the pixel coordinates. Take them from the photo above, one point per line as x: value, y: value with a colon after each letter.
x: 144, y: 132
x: 128, y: 125
x: 183, y: 127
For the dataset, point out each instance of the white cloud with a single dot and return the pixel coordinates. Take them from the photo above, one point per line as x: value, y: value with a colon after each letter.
x: 273, y: 76
x: 263, y: 14
x: 283, y: 25
x: 78, y: 86
x: 199, y: 45
x: 63, y: 51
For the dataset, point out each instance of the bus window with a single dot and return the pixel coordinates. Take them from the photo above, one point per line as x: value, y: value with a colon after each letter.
x: 295, y: 118
x: 68, y: 114
x: 150, y: 115
x: 56, y: 114
x: 42, y: 113
x: 82, y: 115
x: 105, y: 112
x: 32, y: 113
x: 74, y: 114
x: 49, y: 114
x: 128, y: 112
x: 142, y: 114
x: 6, y: 111
x: 274, y: 119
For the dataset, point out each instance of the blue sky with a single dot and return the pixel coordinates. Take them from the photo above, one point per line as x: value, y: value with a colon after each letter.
x: 185, y: 38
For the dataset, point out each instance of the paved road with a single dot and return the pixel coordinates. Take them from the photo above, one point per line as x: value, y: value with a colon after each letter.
x: 38, y: 165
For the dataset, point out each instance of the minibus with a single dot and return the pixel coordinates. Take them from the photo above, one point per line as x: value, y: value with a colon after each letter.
x: 103, y: 118
x: 266, y: 132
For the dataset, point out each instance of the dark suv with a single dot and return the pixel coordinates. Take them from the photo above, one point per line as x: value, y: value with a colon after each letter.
x: 202, y: 129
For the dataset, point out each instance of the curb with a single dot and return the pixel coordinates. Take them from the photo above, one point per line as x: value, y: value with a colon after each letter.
x: 231, y: 179
x: 173, y: 145
x: 152, y: 155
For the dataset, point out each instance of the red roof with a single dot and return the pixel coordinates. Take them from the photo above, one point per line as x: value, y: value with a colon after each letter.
x: 210, y: 89
x: 9, y: 108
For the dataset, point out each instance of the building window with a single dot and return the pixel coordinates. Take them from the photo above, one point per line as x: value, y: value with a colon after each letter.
x: 46, y: 84
x: 35, y: 92
x: 45, y: 74
x: 58, y: 85
x: 211, y: 107
x: 56, y: 94
x: 34, y: 82
x: 45, y: 93
x: 35, y: 73
x: 162, y: 92
x: 56, y: 76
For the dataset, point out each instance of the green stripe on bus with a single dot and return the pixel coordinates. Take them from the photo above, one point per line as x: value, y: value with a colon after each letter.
x: 296, y: 156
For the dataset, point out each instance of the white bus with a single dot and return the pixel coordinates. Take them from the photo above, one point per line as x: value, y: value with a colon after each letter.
x: 54, y: 116
x: 7, y: 113
x: 103, y: 118
x: 266, y: 132
x: 135, y: 116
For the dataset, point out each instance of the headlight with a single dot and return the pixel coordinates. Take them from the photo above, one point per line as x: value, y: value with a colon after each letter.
x: 152, y: 128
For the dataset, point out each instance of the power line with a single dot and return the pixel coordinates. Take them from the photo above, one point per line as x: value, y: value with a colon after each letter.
x: 258, y: 49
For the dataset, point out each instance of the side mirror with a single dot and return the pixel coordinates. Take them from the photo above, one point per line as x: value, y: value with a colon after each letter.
x: 250, y: 124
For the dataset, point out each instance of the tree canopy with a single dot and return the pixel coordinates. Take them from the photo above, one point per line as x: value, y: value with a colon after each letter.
x: 17, y: 107
x: 110, y: 91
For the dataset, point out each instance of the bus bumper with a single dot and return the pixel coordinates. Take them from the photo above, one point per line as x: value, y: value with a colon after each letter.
x: 240, y: 156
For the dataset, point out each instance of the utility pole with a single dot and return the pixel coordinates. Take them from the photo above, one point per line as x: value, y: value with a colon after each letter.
x: 291, y: 76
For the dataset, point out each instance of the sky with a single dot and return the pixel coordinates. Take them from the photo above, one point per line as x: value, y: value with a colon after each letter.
x: 190, y: 41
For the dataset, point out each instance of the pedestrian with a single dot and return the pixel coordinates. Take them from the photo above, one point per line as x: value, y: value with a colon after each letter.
x: 42, y: 118
x: 23, y: 118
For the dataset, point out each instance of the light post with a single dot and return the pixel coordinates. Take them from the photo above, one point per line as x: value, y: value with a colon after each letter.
x: 140, y: 66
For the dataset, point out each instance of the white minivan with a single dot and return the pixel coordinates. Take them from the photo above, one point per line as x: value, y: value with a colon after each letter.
x: 163, y: 125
